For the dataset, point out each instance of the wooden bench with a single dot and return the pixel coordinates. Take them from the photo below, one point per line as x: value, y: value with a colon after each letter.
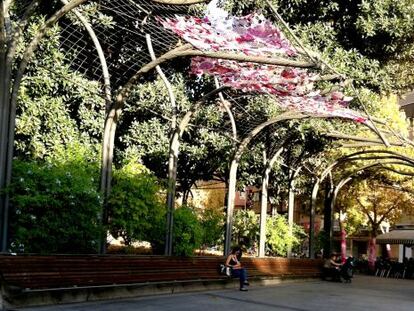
x: 35, y: 279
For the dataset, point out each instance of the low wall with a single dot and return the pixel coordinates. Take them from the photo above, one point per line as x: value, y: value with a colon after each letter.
x: 29, y: 280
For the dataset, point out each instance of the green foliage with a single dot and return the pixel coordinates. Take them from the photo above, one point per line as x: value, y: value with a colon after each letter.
x: 245, y: 227
x: 212, y: 222
x: 373, y: 199
x: 93, y: 14
x: 60, y: 114
x: 136, y: 212
x: 56, y: 106
x: 321, y: 241
x: 146, y: 135
x: 188, y: 232
x: 368, y: 41
x: 385, y: 24
x: 278, y: 237
x: 55, y: 207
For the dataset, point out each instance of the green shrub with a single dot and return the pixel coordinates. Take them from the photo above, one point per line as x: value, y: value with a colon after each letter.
x: 128, y: 250
x: 187, y: 233
x: 212, y: 223
x: 245, y: 228
x: 278, y: 238
x: 55, y: 207
x: 135, y: 210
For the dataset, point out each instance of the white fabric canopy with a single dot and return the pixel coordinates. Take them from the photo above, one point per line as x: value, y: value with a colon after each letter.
x: 398, y: 236
x: 254, y: 35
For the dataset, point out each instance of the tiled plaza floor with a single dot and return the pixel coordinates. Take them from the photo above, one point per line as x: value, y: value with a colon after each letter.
x: 363, y: 294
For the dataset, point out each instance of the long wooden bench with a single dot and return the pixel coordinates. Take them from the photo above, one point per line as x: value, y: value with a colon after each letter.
x: 35, y: 279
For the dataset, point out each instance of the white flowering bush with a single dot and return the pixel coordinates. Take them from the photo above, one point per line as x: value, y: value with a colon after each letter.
x: 55, y: 207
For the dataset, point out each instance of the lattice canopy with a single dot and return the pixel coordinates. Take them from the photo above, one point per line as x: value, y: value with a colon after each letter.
x: 120, y: 44
x: 122, y: 29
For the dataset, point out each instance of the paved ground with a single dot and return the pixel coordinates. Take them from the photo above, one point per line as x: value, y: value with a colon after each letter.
x: 363, y: 294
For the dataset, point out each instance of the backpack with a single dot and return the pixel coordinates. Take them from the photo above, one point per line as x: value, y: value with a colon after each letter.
x: 225, y: 270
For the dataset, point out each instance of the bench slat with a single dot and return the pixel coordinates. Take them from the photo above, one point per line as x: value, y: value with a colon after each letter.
x: 42, y: 272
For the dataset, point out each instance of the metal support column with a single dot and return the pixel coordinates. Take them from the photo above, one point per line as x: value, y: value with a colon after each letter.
x: 327, y: 226
x: 291, y: 207
x: 230, y: 205
x: 312, y: 219
x: 4, y: 126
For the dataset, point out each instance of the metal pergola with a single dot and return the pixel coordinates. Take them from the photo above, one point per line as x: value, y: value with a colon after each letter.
x: 374, y: 158
x: 147, y: 47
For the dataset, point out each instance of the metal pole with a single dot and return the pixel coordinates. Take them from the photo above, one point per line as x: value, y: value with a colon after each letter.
x: 264, y: 202
x: 312, y: 220
x: 263, y: 213
x: 230, y: 205
x: 172, y: 167
x: 291, y: 207
x: 4, y: 126
x: 234, y: 166
x: 172, y: 179
x: 327, y: 226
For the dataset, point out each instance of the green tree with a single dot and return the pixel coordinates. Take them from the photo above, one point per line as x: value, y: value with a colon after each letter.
x: 135, y: 209
x: 56, y: 105
x: 278, y: 237
x: 372, y: 202
x: 145, y: 133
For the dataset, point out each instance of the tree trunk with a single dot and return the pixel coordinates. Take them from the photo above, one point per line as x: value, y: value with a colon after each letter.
x: 372, y: 252
x: 186, y: 193
x: 343, y: 238
x: 343, y: 245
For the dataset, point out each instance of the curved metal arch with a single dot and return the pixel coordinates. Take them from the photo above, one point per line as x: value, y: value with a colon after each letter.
x: 99, y: 50
x: 348, y: 177
x: 105, y: 179
x: 269, y: 163
x: 237, y: 155
x: 8, y: 97
x: 172, y: 154
x: 264, y: 197
x: 353, y: 157
x: 264, y: 200
x: 177, y: 132
x: 226, y: 106
x: 231, y: 192
x: 348, y: 158
x: 172, y: 168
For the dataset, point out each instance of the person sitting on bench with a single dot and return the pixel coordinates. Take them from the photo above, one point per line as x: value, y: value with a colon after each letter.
x: 332, y: 268
x: 237, y: 271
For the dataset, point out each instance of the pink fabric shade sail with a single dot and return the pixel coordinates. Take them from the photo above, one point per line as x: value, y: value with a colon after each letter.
x: 253, y: 35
